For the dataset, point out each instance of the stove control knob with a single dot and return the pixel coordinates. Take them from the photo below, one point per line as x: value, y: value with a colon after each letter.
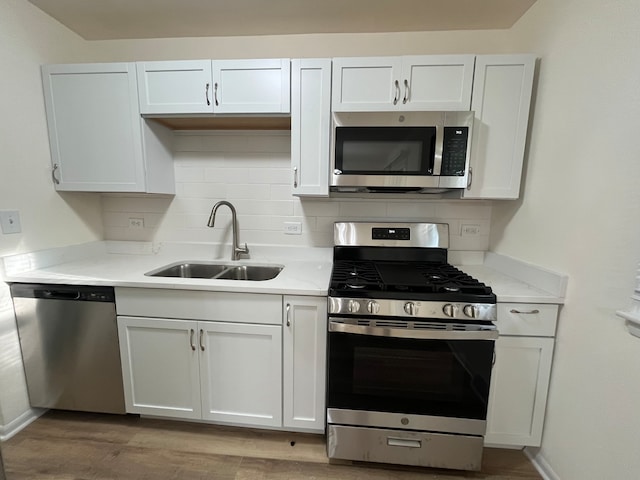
x: 353, y: 306
x: 449, y: 310
x: 470, y: 311
x: 410, y: 308
x: 373, y: 306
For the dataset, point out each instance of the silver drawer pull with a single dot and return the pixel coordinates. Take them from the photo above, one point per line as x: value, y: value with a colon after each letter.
x: 403, y: 442
x: 530, y: 312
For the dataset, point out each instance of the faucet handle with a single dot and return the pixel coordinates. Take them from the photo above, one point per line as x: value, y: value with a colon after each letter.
x: 240, y: 250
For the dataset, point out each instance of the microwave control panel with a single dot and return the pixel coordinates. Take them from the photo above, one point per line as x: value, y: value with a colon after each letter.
x: 454, y: 151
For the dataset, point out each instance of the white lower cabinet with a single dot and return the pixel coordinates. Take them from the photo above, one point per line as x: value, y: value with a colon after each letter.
x: 226, y: 372
x: 228, y: 358
x: 521, y: 373
x: 304, y: 362
x: 240, y: 372
x: 160, y: 366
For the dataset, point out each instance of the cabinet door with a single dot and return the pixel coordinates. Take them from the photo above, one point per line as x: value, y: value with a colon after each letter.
x: 310, y: 126
x: 363, y: 84
x: 304, y: 362
x: 502, y: 88
x: 94, y: 127
x: 437, y: 82
x: 252, y: 86
x: 518, y: 396
x: 241, y: 373
x: 175, y: 87
x: 160, y: 366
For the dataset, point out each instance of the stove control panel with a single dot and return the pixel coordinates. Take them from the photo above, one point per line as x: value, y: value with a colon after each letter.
x: 390, y: 233
x: 416, y: 309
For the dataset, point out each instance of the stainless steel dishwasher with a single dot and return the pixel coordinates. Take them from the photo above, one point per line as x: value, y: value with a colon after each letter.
x: 69, y: 341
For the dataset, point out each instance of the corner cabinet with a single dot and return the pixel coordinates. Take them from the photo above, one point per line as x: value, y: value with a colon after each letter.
x: 310, y: 126
x: 521, y: 373
x: 502, y: 88
x: 429, y: 82
x: 304, y: 362
x: 99, y: 142
x: 215, y: 86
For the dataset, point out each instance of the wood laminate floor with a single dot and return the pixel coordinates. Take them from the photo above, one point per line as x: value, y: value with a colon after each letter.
x: 79, y: 446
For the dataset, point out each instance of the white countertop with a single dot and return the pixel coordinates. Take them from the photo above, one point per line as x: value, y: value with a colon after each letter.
x: 306, y: 270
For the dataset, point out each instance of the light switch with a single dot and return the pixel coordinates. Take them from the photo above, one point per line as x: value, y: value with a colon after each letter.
x: 10, y: 221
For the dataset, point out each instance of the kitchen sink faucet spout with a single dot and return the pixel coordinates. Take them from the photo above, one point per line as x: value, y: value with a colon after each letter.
x: 236, y: 250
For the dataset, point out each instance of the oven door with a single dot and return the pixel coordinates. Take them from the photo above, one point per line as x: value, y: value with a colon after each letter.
x: 432, y: 373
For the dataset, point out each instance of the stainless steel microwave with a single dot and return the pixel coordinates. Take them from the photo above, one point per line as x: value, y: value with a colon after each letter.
x: 400, y: 151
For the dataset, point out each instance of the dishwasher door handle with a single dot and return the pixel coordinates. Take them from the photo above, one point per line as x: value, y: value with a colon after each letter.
x: 60, y: 295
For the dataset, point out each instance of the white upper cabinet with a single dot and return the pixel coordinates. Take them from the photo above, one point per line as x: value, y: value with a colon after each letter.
x: 429, y: 82
x: 175, y: 87
x: 502, y: 89
x: 310, y: 126
x: 252, y: 86
x: 218, y: 86
x: 99, y: 143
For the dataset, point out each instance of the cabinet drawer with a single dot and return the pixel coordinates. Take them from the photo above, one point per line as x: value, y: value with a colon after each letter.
x: 527, y: 319
x: 200, y: 305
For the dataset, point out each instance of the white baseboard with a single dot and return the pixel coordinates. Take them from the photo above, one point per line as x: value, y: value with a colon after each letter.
x: 541, y: 464
x: 13, y: 427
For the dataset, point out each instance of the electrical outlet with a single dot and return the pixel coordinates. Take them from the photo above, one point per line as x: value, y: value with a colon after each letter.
x: 136, y: 223
x: 470, y: 230
x: 292, y: 228
x: 10, y: 222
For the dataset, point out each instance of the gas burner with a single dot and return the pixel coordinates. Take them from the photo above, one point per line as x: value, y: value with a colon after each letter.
x: 451, y: 288
x: 356, y: 283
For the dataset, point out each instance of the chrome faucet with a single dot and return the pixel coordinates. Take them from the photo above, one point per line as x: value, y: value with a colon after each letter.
x: 236, y: 250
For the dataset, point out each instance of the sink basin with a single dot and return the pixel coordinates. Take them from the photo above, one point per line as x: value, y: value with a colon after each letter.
x: 251, y: 272
x: 217, y: 271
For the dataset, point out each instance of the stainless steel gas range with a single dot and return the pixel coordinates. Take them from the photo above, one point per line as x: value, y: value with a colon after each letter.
x: 411, y: 347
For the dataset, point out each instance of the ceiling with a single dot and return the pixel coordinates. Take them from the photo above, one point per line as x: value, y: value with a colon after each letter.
x: 128, y: 19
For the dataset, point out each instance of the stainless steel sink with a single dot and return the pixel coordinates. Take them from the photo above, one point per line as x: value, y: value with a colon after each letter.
x: 251, y: 272
x: 217, y: 271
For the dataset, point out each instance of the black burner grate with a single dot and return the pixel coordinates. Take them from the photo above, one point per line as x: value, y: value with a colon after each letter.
x: 416, y: 280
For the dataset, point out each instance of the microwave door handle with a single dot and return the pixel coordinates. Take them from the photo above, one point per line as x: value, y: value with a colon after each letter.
x: 437, y: 158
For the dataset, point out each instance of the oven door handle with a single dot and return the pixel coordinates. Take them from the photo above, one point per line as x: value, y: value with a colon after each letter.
x: 489, y: 334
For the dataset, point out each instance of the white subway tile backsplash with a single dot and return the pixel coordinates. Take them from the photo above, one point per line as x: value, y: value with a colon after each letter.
x: 249, y: 192
x: 278, y: 176
x: 253, y: 171
x: 365, y: 209
x: 317, y: 207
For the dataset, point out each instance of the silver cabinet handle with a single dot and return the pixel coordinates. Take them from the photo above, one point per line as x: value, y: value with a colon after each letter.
x: 191, y: 335
x: 201, y: 339
x: 403, y: 442
x: 469, y: 178
x: 397, y: 95
x: 53, y: 174
x: 406, y: 91
x: 215, y: 93
x: 288, y: 314
x: 206, y: 94
x: 295, y: 177
x: 530, y: 312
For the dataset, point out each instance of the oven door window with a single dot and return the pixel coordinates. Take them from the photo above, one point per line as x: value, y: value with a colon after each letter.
x: 385, y: 150
x: 424, y: 377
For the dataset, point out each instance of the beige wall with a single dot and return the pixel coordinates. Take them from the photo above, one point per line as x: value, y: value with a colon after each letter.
x: 580, y: 215
x: 28, y: 38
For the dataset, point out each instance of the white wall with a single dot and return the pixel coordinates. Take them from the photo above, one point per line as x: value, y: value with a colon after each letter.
x: 580, y: 215
x: 28, y: 38
x: 253, y: 171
